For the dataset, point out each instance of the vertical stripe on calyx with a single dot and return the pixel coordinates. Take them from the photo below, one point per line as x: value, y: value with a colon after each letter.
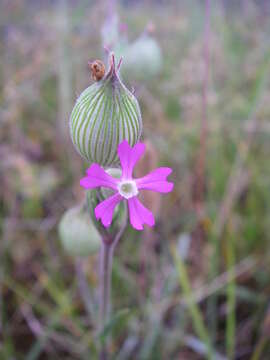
x: 105, y: 114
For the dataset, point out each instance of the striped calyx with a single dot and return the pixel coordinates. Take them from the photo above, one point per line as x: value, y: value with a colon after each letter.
x: 105, y: 114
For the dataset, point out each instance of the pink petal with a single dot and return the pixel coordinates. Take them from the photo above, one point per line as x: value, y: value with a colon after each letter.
x: 97, y: 177
x: 129, y: 156
x: 139, y: 214
x: 156, y: 181
x: 105, y: 209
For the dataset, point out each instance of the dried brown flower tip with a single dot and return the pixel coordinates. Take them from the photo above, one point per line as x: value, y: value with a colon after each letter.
x: 97, y: 69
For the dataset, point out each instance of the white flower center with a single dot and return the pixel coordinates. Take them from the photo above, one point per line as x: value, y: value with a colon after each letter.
x: 127, y: 188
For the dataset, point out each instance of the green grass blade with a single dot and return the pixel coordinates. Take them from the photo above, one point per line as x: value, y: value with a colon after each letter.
x: 192, y: 307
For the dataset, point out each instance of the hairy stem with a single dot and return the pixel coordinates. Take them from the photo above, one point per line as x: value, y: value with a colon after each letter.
x: 106, y: 256
x: 106, y: 260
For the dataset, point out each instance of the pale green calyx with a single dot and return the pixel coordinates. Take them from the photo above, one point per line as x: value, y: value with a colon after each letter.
x: 78, y: 234
x: 143, y: 59
x: 105, y: 114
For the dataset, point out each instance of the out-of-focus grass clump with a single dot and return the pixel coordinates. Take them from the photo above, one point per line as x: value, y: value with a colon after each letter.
x: 198, y: 285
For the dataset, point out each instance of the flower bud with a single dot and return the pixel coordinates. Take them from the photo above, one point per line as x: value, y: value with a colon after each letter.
x: 78, y: 235
x: 105, y: 114
x: 143, y: 59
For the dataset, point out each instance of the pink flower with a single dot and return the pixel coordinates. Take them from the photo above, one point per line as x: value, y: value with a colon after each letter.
x: 127, y: 188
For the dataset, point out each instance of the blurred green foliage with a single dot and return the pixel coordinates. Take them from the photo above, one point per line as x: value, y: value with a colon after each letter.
x: 211, y: 302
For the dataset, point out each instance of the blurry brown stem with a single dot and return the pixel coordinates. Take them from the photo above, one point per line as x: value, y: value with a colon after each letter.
x: 84, y: 288
x: 200, y: 169
x: 106, y: 256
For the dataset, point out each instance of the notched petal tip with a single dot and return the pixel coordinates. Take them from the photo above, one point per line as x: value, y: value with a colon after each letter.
x: 96, y: 176
x: 171, y: 186
x: 98, y: 215
x: 167, y: 170
x: 93, y: 169
x: 139, y: 214
x: 137, y: 227
x: 156, y: 180
x: 84, y: 183
x: 129, y: 156
x: 123, y: 147
x: 104, y: 210
x: 139, y: 148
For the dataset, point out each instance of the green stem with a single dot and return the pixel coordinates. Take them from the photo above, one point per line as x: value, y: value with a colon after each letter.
x: 106, y: 261
x: 106, y: 258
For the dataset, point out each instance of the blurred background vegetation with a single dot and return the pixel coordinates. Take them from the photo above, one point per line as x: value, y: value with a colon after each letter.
x: 198, y: 285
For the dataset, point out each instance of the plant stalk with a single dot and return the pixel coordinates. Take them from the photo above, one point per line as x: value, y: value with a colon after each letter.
x: 106, y: 258
x: 106, y: 261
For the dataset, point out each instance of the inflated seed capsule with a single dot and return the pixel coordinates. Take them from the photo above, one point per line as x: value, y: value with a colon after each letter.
x: 143, y: 59
x: 105, y: 114
x: 77, y: 233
